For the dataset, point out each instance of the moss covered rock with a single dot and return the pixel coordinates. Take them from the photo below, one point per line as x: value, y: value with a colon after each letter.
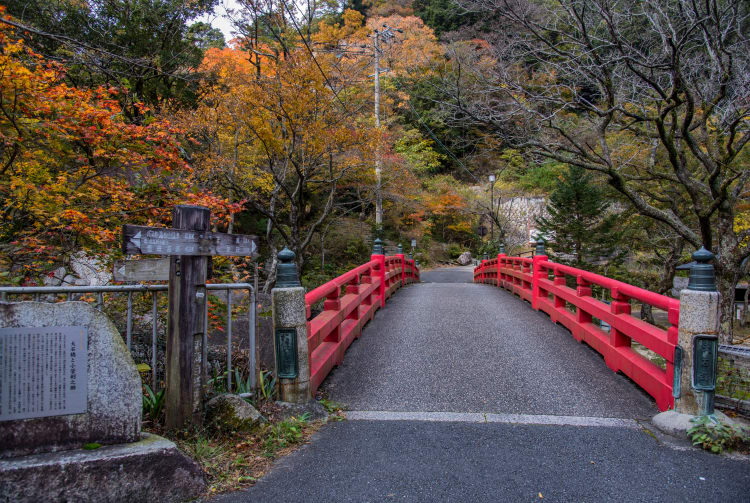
x: 229, y: 412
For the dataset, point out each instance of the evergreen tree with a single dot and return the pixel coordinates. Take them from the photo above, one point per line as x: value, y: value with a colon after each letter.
x: 578, y: 223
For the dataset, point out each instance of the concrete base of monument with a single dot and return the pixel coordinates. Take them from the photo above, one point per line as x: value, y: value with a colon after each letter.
x: 677, y: 424
x: 152, y: 469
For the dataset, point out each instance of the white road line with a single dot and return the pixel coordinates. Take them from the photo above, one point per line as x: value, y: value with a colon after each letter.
x: 480, y: 417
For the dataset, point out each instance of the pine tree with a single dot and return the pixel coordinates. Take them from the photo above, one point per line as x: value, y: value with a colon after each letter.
x: 578, y: 223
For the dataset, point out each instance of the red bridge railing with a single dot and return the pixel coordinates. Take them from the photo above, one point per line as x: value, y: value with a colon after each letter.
x: 350, y: 302
x: 544, y: 285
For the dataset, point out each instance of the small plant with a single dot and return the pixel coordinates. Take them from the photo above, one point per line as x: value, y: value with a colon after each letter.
x: 153, y: 403
x: 218, y: 382
x: 715, y: 436
x: 241, y: 385
x: 330, y: 406
x: 91, y: 446
x: 284, y: 434
x: 267, y: 384
x: 203, y: 450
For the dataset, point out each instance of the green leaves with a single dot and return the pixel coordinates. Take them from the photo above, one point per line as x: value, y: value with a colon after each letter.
x: 715, y: 436
x: 153, y: 404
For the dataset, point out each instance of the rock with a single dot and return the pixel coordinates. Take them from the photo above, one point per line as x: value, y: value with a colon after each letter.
x: 464, y: 258
x: 114, y: 399
x: 55, y: 277
x: 313, y: 408
x: 229, y: 412
x: 677, y: 424
x: 152, y: 469
x: 90, y: 269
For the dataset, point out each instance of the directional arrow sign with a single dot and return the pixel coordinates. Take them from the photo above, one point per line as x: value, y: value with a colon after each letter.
x: 137, y: 239
x: 151, y: 269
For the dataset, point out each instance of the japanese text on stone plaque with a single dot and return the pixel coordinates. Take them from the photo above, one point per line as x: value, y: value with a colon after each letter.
x: 43, y: 372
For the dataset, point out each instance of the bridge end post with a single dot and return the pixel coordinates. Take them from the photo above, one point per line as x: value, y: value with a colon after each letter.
x: 500, y: 256
x: 540, y: 255
x: 695, y: 362
x: 290, y: 332
x: 379, y: 257
x: 697, y: 336
x: 401, y: 259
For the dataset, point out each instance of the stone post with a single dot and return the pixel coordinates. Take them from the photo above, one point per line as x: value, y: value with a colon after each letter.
x: 699, y: 315
x: 500, y: 255
x: 699, y: 320
x: 290, y: 332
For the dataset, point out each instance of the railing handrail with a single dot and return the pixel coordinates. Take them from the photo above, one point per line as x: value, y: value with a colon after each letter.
x: 327, y: 288
x: 344, y: 314
x: 141, y: 287
x: 634, y: 292
x: 155, y: 289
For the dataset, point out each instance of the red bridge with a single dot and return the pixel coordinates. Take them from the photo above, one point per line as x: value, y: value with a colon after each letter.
x: 338, y: 311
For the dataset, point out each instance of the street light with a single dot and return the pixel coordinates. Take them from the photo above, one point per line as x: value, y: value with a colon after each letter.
x: 492, y: 208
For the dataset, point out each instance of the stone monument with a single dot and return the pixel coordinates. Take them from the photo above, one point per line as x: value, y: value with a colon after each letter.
x: 70, y: 413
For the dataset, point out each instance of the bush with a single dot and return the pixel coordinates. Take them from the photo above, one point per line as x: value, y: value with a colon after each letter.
x: 454, y: 251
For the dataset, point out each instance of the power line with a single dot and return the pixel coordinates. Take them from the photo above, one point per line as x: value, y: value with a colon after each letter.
x: 438, y: 140
x: 312, y: 55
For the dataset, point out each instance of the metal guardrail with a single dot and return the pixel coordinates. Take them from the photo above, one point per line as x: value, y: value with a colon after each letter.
x: 735, y: 350
x: 69, y: 291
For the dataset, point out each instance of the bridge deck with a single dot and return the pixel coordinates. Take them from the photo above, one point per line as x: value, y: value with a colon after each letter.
x: 444, y: 350
x: 450, y: 345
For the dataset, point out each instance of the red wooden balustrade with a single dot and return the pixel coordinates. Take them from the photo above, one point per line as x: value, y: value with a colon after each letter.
x: 530, y: 279
x: 365, y: 290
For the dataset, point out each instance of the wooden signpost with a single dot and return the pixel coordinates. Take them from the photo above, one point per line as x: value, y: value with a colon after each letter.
x: 189, y: 244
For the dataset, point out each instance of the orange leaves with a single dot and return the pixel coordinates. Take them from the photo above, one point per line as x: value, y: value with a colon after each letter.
x: 72, y: 169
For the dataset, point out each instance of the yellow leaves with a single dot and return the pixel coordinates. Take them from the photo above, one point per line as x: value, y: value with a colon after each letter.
x: 417, y: 45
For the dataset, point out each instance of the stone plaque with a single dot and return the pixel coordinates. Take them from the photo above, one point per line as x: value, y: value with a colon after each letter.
x: 43, y: 372
x: 286, y: 353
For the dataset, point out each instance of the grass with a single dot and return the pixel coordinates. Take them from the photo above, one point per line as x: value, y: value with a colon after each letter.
x: 237, y: 460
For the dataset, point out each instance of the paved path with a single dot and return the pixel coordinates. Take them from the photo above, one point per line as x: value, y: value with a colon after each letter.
x: 460, y: 347
x: 461, y: 392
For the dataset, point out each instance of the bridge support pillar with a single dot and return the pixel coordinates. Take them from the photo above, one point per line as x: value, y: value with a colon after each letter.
x: 290, y: 332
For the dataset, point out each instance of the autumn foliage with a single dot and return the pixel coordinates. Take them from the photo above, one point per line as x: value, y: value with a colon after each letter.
x: 73, y: 169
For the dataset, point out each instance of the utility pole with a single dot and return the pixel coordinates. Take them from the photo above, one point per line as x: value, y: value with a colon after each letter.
x: 378, y: 154
x: 387, y: 35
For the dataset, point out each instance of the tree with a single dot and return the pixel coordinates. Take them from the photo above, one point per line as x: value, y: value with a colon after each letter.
x: 443, y: 15
x: 652, y: 95
x: 579, y: 222
x: 145, y: 46
x: 285, y: 139
x: 72, y: 169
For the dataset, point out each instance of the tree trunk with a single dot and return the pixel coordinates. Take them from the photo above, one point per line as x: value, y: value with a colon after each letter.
x: 726, y: 283
x: 647, y: 313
